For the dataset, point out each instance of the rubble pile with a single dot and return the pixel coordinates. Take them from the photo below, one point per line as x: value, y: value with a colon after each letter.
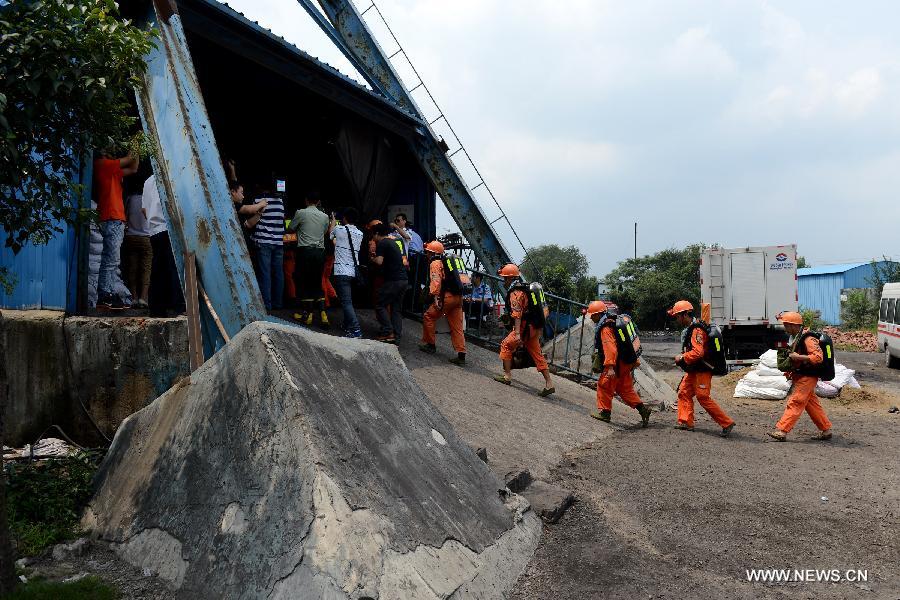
x: 856, y: 341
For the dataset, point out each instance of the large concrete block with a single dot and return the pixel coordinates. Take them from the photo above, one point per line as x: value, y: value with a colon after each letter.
x: 298, y: 465
x: 60, y: 369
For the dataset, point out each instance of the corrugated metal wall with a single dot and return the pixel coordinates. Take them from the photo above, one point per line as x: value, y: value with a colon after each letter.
x: 858, y: 277
x: 46, y: 276
x: 823, y: 293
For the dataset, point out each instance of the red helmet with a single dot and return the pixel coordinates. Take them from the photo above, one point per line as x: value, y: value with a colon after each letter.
x: 435, y: 246
x: 680, y: 307
x: 509, y: 270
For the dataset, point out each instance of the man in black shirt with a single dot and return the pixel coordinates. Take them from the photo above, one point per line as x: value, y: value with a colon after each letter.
x: 388, y: 306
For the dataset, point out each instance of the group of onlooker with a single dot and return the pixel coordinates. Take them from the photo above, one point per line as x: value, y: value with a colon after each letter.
x: 135, y: 241
x: 295, y: 261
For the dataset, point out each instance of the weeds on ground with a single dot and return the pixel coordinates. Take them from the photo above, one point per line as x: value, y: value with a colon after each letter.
x: 89, y: 588
x: 848, y: 347
x: 812, y: 319
x: 45, y: 498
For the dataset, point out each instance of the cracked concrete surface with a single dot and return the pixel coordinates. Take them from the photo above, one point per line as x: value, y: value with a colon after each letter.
x: 298, y: 465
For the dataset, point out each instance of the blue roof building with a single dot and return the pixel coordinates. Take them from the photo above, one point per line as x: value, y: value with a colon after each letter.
x: 820, y: 287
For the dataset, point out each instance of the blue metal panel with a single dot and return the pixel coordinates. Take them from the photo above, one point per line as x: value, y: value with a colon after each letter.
x: 822, y: 293
x: 859, y: 277
x: 348, y: 30
x: 44, y: 275
x: 192, y: 183
x: 827, y: 269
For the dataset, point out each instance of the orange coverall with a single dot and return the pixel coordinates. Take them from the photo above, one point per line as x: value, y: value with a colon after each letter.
x: 698, y: 384
x: 622, y: 380
x: 803, y: 394
x: 531, y: 337
x: 449, y: 306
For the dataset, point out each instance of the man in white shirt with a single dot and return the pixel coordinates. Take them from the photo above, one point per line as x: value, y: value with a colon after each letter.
x: 137, y: 253
x: 347, y: 243
x: 165, y: 297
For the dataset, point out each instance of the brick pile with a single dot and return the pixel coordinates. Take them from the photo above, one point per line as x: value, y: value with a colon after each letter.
x: 861, y: 341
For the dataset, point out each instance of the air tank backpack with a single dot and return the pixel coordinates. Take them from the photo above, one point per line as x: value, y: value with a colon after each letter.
x: 538, y: 310
x: 715, y: 349
x: 824, y: 370
x: 456, y: 277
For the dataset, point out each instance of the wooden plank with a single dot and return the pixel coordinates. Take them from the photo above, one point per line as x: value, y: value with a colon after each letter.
x: 192, y: 305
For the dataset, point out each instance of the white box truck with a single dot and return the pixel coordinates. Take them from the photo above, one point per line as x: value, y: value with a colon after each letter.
x: 746, y: 288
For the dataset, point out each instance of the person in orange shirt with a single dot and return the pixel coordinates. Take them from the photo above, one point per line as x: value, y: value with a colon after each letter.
x: 616, y: 375
x: 108, y: 174
x: 444, y: 304
x: 697, y: 380
x: 805, y: 356
x: 524, y: 332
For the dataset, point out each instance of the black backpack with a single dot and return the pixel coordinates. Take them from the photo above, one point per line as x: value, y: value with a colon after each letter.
x: 456, y: 277
x: 715, y: 349
x: 824, y: 370
x: 628, y: 342
x: 538, y: 311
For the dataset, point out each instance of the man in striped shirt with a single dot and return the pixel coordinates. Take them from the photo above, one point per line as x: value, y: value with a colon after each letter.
x: 268, y: 238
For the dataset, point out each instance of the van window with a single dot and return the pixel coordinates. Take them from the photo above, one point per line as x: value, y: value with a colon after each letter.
x: 890, y: 317
x: 882, y: 315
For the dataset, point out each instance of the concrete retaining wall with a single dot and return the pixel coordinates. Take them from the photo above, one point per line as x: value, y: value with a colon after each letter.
x: 59, y: 367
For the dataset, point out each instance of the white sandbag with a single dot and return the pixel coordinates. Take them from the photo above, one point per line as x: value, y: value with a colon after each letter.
x: 776, y: 382
x: 742, y: 390
x: 768, y: 371
x: 842, y: 376
x: 769, y: 359
x: 853, y: 383
x: 825, y: 389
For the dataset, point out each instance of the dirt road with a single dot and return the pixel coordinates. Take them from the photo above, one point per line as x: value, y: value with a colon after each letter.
x: 663, y: 513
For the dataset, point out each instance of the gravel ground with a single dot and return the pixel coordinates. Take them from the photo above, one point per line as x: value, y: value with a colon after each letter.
x: 663, y: 513
x: 96, y: 559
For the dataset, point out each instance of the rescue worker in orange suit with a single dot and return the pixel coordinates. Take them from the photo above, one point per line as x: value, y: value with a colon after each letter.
x: 804, y: 358
x: 616, y: 376
x: 523, y: 333
x: 697, y: 380
x: 443, y: 304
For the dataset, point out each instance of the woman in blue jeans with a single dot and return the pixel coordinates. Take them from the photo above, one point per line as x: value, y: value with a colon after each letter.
x: 347, y: 242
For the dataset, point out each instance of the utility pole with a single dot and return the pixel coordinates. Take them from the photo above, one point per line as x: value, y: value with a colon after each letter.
x: 635, y: 240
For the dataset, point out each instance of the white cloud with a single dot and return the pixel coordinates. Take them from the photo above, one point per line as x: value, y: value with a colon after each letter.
x: 859, y: 91
x: 744, y: 105
x: 696, y: 53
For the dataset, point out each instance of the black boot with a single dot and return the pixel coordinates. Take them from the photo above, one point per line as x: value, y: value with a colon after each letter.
x: 645, y: 414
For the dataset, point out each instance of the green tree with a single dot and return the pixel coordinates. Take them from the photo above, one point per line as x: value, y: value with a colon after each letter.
x: 563, y: 270
x: 801, y: 262
x: 884, y: 272
x: 67, y: 73
x: 648, y: 285
x: 858, y: 311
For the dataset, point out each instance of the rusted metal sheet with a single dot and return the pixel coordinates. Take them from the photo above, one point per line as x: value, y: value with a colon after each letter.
x: 192, y: 183
x: 346, y: 28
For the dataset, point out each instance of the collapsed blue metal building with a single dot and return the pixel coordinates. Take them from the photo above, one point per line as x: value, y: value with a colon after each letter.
x: 279, y: 113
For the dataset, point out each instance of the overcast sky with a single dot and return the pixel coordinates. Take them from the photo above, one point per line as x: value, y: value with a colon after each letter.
x: 739, y: 122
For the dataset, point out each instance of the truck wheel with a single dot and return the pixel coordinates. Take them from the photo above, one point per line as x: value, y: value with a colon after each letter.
x: 891, y: 362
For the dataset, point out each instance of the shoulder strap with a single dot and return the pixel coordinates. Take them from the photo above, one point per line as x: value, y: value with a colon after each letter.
x: 352, y: 249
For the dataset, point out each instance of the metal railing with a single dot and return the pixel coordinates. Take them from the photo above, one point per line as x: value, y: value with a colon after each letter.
x: 566, y: 341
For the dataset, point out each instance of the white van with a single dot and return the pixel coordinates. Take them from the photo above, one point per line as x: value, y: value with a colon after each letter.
x: 889, y: 324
